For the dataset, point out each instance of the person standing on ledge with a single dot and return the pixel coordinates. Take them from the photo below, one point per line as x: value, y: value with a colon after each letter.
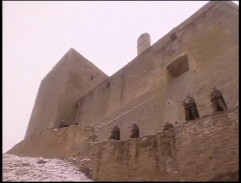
x: 115, y: 133
x: 134, y: 131
x: 218, y: 102
x: 190, y: 107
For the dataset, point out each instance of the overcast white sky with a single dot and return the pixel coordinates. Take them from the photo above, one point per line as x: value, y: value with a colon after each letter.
x: 37, y: 34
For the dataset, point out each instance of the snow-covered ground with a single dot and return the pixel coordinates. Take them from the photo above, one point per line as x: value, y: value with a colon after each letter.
x: 39, y: 169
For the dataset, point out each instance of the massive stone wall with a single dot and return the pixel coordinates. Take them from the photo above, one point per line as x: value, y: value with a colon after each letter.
x: 115, y: 93
x: 59, y: 92
x: 61, y: 143
x: 200, y: 150
x: 200, y: 53
x: 210, y: 42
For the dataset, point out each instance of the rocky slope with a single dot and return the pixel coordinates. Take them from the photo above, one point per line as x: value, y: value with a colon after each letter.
x: 17, y: 168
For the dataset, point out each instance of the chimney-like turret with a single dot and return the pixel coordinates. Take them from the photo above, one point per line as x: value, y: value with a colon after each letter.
x: 143, y: 42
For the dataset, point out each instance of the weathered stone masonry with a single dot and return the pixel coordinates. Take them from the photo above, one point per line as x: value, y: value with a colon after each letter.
x: 200, y: 150
x: 59, y: 92
x: 198, y: 54
x: 193, y: 57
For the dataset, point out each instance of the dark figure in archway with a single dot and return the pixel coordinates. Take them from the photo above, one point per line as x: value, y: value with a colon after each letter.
x: 115, y: 133
x: 191, y: 111
x: 218, y: 102
x: 134, y: 131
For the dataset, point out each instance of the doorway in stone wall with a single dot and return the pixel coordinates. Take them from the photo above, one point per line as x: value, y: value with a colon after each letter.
x: 178, y: 82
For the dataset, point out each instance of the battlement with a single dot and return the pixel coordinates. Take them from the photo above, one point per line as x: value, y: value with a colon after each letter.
x: 201, y: 52
x: 148, y: 88
x: 200, y: 150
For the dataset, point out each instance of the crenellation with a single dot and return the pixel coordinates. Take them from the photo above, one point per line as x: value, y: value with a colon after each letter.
x: 192, y: 58
x: 170, y: 155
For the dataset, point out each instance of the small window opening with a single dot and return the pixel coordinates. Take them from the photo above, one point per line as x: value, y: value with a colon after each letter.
x: 92, y: 78
x: 173, y: 36
x: 178, y: 67
x: 108, y: 84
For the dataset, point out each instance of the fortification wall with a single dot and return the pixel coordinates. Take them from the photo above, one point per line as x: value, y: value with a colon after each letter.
x: 201, y: 150
x: 59, y: 92
x: 210, y: 42
x: 81, y: 79
x: 61, y: 143
x: 200, y: 53
x: 116, y: 93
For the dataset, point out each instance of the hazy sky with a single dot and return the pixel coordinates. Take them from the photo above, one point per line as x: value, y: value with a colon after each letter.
x: 37, y: 34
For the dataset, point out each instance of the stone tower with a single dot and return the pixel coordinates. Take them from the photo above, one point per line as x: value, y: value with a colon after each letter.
x: 71, y: 78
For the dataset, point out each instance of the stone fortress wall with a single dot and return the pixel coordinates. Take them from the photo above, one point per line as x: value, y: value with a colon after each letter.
x: 200, y: 150
x: 198, y: 54
x: 193, y: 57
x: 71, y: 78
x: 192, y: 151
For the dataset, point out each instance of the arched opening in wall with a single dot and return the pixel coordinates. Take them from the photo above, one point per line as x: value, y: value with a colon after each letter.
x: 177, y: 67
x: 108, y: 84
x: 92, y: 78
